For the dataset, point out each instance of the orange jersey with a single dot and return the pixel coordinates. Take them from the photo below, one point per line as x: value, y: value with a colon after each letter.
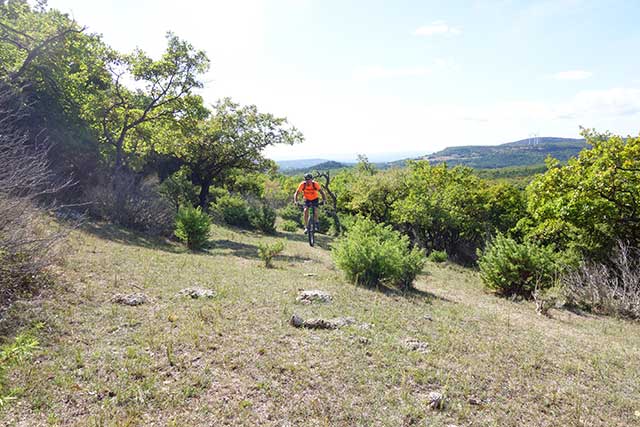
x: 310, y: 191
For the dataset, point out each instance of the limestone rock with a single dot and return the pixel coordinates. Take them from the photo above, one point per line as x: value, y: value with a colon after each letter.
x: 130, y: 299
x: 436, y: 400
x: 413, y: 344
x: 334, y: 323
x: 311, y: 296
x: 196, y: 293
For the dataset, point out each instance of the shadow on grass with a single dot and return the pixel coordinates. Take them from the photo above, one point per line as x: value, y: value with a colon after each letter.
x: 322, y: 241
x: 412, y: 294
x: 244, y: 250
x: 129, y: 237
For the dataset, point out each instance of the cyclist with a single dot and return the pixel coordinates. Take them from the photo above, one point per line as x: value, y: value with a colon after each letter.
x: 310, y: 189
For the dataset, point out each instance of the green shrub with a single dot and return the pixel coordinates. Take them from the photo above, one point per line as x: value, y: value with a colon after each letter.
x: 438, y: 256
x: 325, y: 222
x: 263, y: 218
x: 290, y: 226
x: 192, y: 226
x: 372, y: 253
x: 267, y: 252
x: 179, y: 190
x: 511, y: 268
x: 233, y: 210
x: 291, y: 213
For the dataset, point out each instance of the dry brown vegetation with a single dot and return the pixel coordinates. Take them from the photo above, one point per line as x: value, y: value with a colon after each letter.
x: 235, y: 360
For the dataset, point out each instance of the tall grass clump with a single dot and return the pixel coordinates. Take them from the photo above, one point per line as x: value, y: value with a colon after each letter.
x: 13, y: 354
x: 192, y: 226
x: 372, y: 254
x: 509, y: 268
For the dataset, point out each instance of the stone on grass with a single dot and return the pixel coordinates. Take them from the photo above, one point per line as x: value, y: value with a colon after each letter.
x: 413, y: 344
x: 314, y: 295
x: 197, y: 293
x: 436, y: 400
x: 130, y: 299
x: 335, y: 323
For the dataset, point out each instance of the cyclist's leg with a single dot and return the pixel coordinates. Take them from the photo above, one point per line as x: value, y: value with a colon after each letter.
x: 306, y: 216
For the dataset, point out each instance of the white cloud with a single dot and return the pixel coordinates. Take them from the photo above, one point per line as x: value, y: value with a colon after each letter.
x: 617, y: 102
x: 437, y: 27
x: 572, y: 75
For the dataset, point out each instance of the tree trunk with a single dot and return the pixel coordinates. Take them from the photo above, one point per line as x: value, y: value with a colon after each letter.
x: 204, y: 195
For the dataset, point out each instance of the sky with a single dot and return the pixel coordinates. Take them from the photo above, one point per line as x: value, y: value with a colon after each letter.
x: 370, y: 77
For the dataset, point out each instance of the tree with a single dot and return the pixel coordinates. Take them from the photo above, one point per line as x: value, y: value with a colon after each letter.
x: 445, y: 209
x: 590, y: 202
x: 231, y: 140
x: 130, y: 121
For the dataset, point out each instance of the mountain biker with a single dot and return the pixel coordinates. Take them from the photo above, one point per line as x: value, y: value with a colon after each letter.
x: 310, y: 189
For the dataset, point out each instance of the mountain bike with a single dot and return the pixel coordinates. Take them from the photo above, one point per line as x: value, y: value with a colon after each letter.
x: 311, y: 225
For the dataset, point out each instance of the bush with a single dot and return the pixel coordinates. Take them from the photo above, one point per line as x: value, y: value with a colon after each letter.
x: 290, y: 226
x: 437, y: 256
x: 291, y: 213
x: 263, y: 218
x: 192, y: 226
x: 511, y: 268
x: 372, y: 253
x: 612, y: 288
x: 132, y: 202
x: 233, y: 210
x: 178, y: 189
x: 267, y: 252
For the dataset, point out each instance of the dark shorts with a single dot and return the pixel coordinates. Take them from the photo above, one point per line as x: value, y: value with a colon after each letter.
x: 313, y: 202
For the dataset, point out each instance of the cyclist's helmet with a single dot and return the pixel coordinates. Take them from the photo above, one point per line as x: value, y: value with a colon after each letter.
x: 308, y: 176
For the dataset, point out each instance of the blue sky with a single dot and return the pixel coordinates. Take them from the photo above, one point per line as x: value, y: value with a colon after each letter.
x: 402, y: 76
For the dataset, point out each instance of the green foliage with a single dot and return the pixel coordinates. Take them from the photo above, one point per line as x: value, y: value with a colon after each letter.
x: 263, y: 218
x: 511, y: 268
x: 192, y: 226
x: 179, y: 190
x: 451, y: 209
x: 267, y: 251
x: 233, y: 210
x: 437, y: 256
x: 291, y: 213
x: 230, y: 143
x: 12, y: 354
x: 372, y: 253
x: 590, y: 202
x: 290, y: 226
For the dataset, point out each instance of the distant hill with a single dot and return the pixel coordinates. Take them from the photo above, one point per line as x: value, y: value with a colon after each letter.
x: 286, y: 165
x: 518, y: 153
x: 326, y: 165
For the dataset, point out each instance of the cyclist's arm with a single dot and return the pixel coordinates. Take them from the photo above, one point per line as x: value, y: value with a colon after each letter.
x: 295, y: 195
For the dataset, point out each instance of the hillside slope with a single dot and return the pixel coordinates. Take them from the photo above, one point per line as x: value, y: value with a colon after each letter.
x: 235, y: 360
x: 517, y: 153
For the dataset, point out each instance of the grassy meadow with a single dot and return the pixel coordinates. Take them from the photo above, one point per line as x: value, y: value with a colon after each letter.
x: 234, y: 360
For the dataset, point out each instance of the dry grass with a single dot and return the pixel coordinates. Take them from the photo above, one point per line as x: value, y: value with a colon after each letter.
x: 234, y: 359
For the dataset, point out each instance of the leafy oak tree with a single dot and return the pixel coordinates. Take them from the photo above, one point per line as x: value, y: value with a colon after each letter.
x: 232, y: 140
x: 130, y: 120
x: 592, y: 201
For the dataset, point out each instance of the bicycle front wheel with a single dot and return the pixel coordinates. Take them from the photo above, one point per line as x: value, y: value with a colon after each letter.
x: 311, y: 229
